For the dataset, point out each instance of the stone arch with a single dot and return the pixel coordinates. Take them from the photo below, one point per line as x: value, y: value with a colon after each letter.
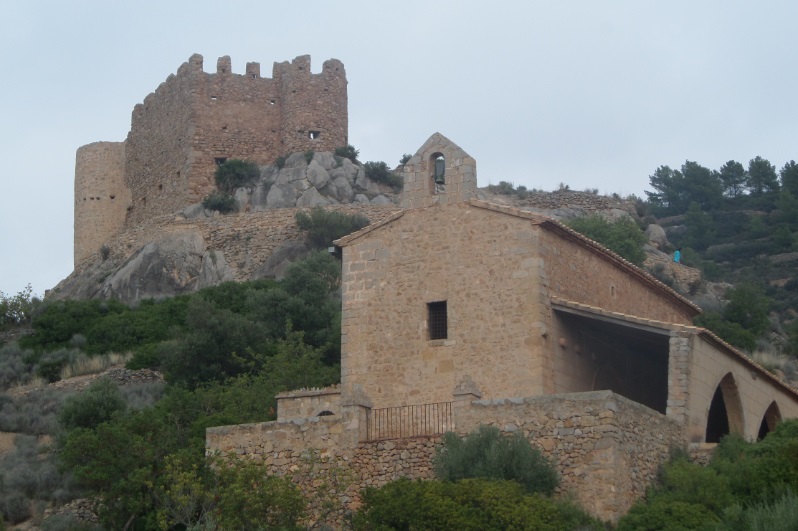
x: 725, y: 411
x: 770, y: 419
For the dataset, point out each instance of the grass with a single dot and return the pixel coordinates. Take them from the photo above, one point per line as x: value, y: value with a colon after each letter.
x: 93, y: 364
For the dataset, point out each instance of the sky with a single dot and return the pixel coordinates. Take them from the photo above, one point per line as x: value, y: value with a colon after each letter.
x: 586, y: 93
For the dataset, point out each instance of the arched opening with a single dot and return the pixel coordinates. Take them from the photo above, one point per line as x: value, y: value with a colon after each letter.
x: 725, y: 412
x: 325, y: 413
x: 771, y: 417
x: 438, y: 173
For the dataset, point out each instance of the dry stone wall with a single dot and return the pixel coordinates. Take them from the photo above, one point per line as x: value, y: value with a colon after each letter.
x: 607, y: 449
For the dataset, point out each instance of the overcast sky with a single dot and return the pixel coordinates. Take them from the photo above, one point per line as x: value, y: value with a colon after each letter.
x: 591, y: 94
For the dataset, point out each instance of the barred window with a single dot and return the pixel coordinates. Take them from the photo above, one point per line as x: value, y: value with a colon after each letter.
x: 437, y: 320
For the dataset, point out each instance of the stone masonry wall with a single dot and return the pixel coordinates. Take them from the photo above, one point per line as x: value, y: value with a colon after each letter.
x: 582, y: 275
x: 607, y: 449
x: 484, y: 265
x: 101, y: 195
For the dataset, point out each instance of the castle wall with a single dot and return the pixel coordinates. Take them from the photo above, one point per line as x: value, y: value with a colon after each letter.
x: 484, y: 265
x: 312, y: 103
x: 101, y: 196
x: 159, y: 153
x: 194, y: 120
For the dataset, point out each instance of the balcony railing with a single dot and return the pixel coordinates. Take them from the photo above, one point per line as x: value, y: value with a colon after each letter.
x: 409, y: 421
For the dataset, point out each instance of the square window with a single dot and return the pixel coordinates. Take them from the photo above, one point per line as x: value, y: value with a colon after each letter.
x: 437, y: 320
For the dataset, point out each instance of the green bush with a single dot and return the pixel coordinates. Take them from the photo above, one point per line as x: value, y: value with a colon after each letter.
x: 221, y: 202
x: 98, y: 404
x: 470, y: 504
x: 19, y: 308
x: 623, y: 236
x: 235, y: 173
x: 280, y: 161
x: 663, y: 515
x: 485, y: 453
x: 380, y: 173
x: 347, y: 152
x: 309, y: 154
x: 325, y: 226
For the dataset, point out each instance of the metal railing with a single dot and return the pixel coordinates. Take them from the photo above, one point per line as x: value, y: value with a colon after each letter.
x: 409, y: 421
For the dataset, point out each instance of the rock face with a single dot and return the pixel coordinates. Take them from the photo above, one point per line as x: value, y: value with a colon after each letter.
x: 172, y: 264
x: 324, y: 180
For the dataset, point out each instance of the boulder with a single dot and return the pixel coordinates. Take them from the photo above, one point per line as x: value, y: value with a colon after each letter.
x: 656, y: 235
x: 281, y: 259
x: 317, y: 175
x: 380, y: 200
x: 281, y: 196
x: 173, y: 264
x: 311, y: 198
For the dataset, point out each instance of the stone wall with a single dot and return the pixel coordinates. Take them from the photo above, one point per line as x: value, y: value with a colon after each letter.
x: 101, y: 196
x: 606, y: 448
x: 582, y: 274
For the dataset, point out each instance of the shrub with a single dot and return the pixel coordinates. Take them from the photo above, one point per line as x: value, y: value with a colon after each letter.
x: 222, y: 202
x: 34, y: 413
x: 380, y: 173
x: 485, y: 453
x: 14, y: 365
x: 667, y: 516
x: 405, y: 159
x: 325, y: 226
x: 309, y: 154
x: 471, y: 504
x: 623, y: 236
x: 280, y: 161
x: 348, y: 152
x: 19, y: 308
x: 234, y: 173
x: 98, y: 404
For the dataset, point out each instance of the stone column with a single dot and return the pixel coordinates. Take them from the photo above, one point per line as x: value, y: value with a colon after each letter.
x: 678, y: 377
x: 463, y: 394
x: 355, y: 409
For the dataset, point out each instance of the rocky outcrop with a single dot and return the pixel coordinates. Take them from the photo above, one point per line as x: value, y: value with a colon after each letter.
x: 175, y: 263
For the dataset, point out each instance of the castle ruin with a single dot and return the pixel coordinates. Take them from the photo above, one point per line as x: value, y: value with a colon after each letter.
x: 193, y: 122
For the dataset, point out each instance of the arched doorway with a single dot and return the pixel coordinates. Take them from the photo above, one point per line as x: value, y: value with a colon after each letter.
x: 725, y: 411
x: 771, y: 417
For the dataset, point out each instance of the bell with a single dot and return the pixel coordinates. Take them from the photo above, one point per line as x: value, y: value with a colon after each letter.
x: 440, y: 169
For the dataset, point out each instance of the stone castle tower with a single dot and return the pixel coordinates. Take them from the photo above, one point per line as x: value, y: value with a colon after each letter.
x: 191, y: 123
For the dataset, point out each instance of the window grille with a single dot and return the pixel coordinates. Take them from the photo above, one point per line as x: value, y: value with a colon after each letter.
x: 438, y: 323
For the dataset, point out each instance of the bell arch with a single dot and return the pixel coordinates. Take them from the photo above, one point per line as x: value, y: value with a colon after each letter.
x: 725, y: 414
x: 770, y: 419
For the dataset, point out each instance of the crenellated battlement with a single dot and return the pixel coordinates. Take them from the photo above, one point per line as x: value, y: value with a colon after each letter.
x: 195, y: 119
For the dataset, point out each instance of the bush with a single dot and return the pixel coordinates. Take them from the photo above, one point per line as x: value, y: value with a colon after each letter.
x: 485, y: 453
x: 309, y: 154
x: 15, y: 366
x: 234, y: 173
x: 280, y: 161
x: 325, y: 226
x: 347, y: 152
x: 623, y: 237
x: 221, y: 202
x: 662, y: 515
x: 471, y: 504
x: 380, y: 173
x: 35, y: 413
x: 98, y: 404
x: 19, y: 308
